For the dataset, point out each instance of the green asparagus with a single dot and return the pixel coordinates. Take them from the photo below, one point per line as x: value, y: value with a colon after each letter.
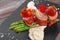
x: 19, y: 26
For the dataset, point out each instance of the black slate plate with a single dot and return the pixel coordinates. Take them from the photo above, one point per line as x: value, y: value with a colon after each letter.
x: 50, y: 32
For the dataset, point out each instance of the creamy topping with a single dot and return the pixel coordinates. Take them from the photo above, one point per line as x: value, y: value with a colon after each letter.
x: 37, y: 33
x: 30, y: 5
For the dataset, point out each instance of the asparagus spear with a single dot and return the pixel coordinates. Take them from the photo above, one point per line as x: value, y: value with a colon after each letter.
x: 19, y: 26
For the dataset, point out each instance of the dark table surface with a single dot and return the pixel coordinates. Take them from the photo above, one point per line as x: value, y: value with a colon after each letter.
x: 51, y: 33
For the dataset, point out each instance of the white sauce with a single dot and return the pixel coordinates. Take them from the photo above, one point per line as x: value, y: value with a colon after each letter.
x: 37, y: 33
x: 30, y: 5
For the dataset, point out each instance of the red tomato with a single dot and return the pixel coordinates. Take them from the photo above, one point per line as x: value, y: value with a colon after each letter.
x: 27, y: 16
x: 51, y: 11
x: 42, y: 8
x: 29, y: 12
x: 25, y: 12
